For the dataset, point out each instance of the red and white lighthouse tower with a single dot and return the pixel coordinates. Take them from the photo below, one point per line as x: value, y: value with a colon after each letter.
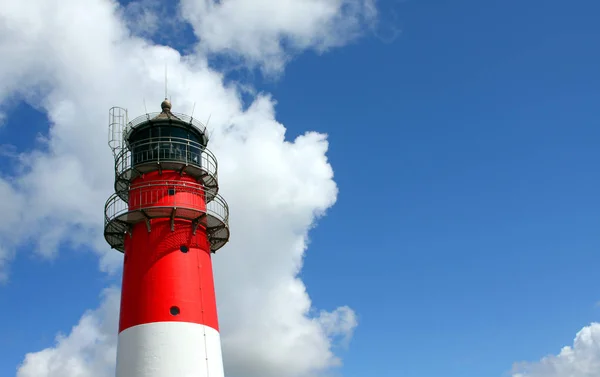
x: 167, y: 218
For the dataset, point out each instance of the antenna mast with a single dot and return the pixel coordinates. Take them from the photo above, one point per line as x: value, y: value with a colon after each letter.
x: 166, y: 81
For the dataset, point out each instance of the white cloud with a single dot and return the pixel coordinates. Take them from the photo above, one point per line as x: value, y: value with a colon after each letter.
x: 74, y: 69
x: 154, y: 19
x: 580, y: 360
x: 145, y: 17
x: 88, y: 351
x: 263, y: 32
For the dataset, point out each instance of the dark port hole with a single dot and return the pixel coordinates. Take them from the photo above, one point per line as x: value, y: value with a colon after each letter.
x: 184, y: 249
x: 174, y: 310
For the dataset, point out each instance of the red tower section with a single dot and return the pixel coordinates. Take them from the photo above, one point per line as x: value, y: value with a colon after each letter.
x: 168, y: 219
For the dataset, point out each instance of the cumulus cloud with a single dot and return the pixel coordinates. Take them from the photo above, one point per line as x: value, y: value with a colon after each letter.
x: 155, y: 19
x: 582, y: 359
x: 88, y: 351
x: 74, y: 69
x: 145, y: 17
x: 264, y: 32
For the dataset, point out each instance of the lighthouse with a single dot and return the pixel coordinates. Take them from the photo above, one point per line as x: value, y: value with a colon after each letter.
x: 168, y: 219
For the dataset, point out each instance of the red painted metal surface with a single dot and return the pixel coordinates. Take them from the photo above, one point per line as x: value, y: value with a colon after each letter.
x: 157, y: 275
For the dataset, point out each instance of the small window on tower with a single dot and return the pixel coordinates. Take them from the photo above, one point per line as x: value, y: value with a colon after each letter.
x: 171, y: 191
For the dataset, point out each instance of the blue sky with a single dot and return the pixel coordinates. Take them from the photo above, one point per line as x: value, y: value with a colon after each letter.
x: 465, y: 234
x: 466, y: 227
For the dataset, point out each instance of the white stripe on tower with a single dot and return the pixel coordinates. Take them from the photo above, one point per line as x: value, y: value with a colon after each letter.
x: 169, y: 349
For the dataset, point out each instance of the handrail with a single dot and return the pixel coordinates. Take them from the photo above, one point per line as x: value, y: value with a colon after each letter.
x: 156, y: 196
x: 150, y: 117
x: 166, y: 149
x: 195, y: 144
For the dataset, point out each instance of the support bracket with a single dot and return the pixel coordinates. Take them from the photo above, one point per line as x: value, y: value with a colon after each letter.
x: 173, y: 219
x: 182, y: 170
x: 195, y: 223
x: 147, y: 220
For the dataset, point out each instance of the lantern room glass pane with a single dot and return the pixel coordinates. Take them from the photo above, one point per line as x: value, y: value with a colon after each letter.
x: 165, y: 143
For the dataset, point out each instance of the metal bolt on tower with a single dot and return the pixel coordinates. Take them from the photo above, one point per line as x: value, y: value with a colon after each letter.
x: 167, y: 218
